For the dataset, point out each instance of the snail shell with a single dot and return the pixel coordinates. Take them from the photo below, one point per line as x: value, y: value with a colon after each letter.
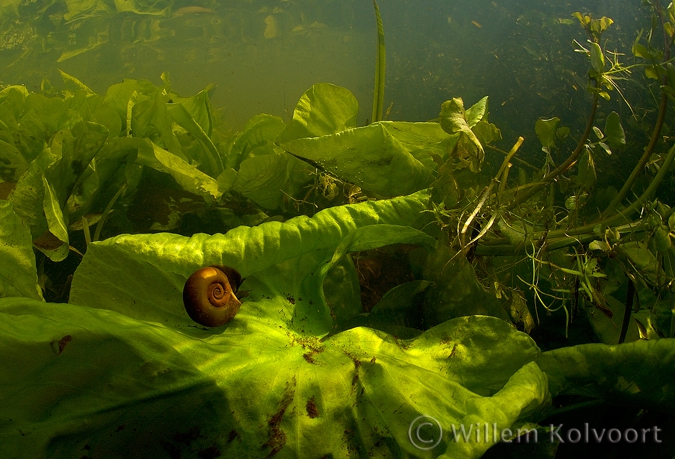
x: 209, y: 295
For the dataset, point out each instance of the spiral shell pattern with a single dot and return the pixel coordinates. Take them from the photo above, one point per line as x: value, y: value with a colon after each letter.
x: 209, y: 295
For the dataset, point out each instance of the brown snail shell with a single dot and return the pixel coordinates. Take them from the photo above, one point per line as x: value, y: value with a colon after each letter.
x: 209, y: 295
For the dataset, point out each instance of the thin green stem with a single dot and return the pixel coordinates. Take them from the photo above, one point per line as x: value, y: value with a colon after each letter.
x: 663, y: 105
x: 571, y: 160
x: 107, y: 211
x: 639, y: 167
x: 560, y: 238
x: 380, y: 66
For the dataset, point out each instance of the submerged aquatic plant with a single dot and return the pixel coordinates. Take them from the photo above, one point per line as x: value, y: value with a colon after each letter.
x: 302, y: 367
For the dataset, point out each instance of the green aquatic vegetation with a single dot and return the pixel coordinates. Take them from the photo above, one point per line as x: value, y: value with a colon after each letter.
x: 571, y: 245
x: 268, y: 383
x: 306, y: 368
x: 380, y: 65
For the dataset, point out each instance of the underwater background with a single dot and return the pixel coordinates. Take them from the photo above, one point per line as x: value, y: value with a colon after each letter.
x: 262, y: 55
x: 475, y: 236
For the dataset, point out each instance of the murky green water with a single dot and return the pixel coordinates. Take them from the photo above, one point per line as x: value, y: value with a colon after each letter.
x: 261, y: 55
x: 213, y: 244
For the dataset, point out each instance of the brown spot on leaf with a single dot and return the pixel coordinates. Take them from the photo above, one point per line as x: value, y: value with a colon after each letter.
x: 59, y: 345
x: 277, y: 438
x: 232, y: 436
x: 48, y: 241
x: 6, y: 188
x: 312, y: 409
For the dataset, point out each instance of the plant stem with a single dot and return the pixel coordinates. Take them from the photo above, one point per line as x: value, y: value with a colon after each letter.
x: 380, y: 66
x: 639, y: 167
x: 564, y: 166
x: 584, y: 234
x: 629, y: 308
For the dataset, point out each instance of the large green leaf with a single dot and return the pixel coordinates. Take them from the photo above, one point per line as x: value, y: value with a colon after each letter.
x: 122, y: 371
x: 133, y: 367
x: 96, y: 382
x: 322, y: 110
x: 260, y: 131
x: 61, y: 167
x: 640, y: 373
x: 185, y: 174
x: 371, y: 157
x: 18, y: 275
x: 248, y: 249
x: 266, y: 174
x: 546, y: 130
x: 263, y: 178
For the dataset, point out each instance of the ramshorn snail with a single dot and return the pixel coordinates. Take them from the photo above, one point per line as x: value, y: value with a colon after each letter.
x: 209, y: 295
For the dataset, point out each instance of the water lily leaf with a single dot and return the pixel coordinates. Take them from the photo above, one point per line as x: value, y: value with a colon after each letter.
x: 262, y: 179
x: 60, y: 116
x: 640, y: 50
x: 141, y: 379
x: 643, y: 261
x: 486, y: 132
x: 294, y: 238
x: 187, y: 175
x: 266, y: 174
x: 422, y: 140
x: 608, y: 329
x: 515, y: 231
x: 13, y: 162
x: 28, y: 194
x: 371, y: 157
x: 114, y: 168
x: 396, y: 312
x: 625, y: 373
x: 662, y: 241
x: 150, y: 119
x: 208, y: 156
x: 359, y: 380
x: 261, y: 130
x: 156, y: 8
x: 61, y: 165
x: 671, y: 222
x: 457, y: 292
x: 477, y: 112
x: 322, y: 110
